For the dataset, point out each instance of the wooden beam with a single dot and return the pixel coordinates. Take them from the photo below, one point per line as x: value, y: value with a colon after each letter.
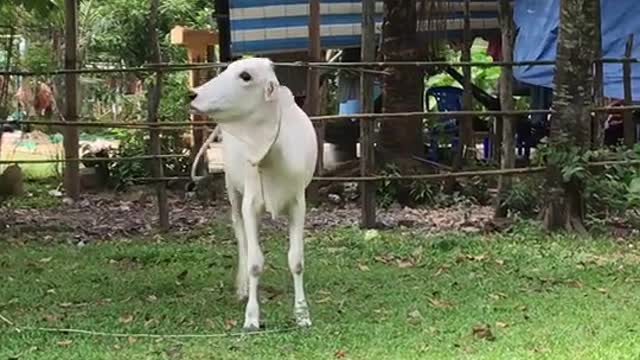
x: 71, y: 139
x: 367, y: 133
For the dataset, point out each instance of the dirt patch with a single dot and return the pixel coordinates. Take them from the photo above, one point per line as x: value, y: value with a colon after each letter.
x: 120, y: 215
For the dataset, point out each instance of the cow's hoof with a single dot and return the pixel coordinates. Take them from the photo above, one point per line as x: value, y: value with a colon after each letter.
x: 250, y: 328
x: 301, y: 313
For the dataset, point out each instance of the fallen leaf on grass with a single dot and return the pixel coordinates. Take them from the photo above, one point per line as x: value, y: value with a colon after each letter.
x: 363, y: 267
x: 230, y: 324
x: 65, y: 343
x: 414, y: 317
x: 323, y: 300
x: 125, y: 319
x: 438, y: 303
x: 152, y: 298
x: 406, y: 263
x: 499, y: 262
x: 501, y: 325
x: 483, y: 331
x: 132, y: 340
x: 603, y: 290
x: 574, y: 284
x: 340, y: 354
x: 46, y: 260
x: 497, y: 296
x: 463, y: 258
x: 385, y: 259
x: 441, y: 270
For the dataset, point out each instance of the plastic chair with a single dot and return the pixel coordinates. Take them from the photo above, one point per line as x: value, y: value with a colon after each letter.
x: 448, y: 98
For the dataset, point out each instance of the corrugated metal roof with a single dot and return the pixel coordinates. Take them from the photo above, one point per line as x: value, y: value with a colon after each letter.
x: 277, y: 26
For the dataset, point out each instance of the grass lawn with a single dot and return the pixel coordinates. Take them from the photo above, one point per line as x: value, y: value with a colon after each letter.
x: 398, y: 295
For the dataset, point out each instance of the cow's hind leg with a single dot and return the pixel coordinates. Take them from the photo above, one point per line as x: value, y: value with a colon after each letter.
x: 297, y: 212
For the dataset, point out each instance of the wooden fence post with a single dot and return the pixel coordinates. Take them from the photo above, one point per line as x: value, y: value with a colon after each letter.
x: 153, y: 104
x: 629, y: 126
x: 467, y: 137
x: 367, y: 126
x: 597, y: 135
x: 313, y: 79
x: 71, y: 139
x: 508, y: 156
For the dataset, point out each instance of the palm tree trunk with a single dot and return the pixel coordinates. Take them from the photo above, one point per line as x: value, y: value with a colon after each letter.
x: 570, y: 125
x: 403, y: 88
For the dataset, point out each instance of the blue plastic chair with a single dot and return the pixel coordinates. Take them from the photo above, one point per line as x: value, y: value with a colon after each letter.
x: 448, y: 98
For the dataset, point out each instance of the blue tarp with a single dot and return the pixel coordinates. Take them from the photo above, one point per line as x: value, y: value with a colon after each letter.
x: 537, y: 32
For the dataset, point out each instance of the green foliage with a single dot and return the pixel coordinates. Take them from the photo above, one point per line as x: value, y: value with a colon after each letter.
x: 609, y: 191
x: 122, y: 32
x: 132, y: 143
x: 525, y: 195
x: 388, y: 191
x: 38, y: 7
x: 38, y: 58
x: 173, y: 107
x: 429, y: 193
x: 174, y: 104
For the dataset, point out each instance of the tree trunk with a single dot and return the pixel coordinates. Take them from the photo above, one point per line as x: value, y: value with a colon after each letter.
x: 570, y: 125
x: 403, y: 88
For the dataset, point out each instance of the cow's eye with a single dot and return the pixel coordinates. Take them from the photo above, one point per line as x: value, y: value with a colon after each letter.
x: 245, y: 76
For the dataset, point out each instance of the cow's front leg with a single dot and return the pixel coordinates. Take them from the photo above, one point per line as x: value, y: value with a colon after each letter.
x: 252, y: 208
x: 242, y: 277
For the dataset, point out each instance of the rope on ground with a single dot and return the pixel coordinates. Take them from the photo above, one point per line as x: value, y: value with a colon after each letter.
x: 141, y: 335
x: 154, y: 336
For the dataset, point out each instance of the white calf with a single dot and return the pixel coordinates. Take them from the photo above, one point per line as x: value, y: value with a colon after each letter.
x: 270, y: 153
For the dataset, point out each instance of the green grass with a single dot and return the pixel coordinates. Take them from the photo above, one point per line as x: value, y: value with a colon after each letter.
x: 37, y: 197
x: 400, y: 295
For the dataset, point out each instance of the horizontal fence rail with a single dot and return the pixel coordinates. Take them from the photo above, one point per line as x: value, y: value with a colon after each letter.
x: 173, y: 125
x: 427, y: 177
x: 172, y: 67
x: 373, y: 68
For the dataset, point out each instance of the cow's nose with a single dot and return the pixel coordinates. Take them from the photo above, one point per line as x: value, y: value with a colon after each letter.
x: 192, y: 95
